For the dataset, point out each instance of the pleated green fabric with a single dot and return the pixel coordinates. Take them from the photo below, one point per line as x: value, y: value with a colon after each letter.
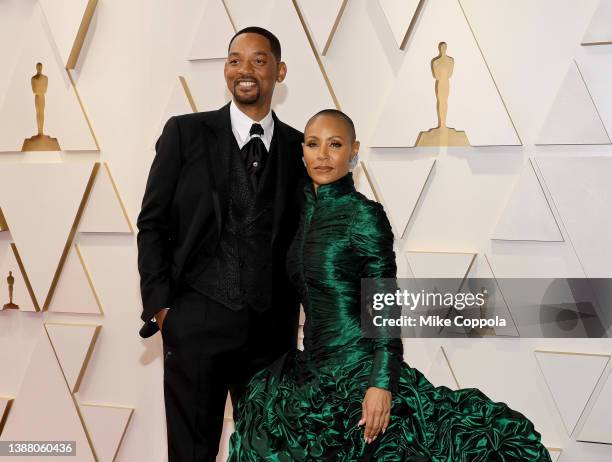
x: 306, y: 405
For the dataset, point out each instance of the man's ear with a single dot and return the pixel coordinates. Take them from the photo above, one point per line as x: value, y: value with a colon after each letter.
x: 282, y: 72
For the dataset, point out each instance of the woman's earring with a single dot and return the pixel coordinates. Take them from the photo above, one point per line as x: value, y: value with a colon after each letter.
x: 353, y: 162
x: 304, y: 160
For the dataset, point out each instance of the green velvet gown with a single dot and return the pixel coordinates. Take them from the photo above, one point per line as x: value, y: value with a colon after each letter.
x: 306, y: 406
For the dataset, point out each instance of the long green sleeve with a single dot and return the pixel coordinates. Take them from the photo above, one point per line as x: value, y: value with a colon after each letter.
x: 372, y: 238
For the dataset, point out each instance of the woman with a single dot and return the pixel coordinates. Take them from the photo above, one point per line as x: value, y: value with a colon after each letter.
x: 346, y: 397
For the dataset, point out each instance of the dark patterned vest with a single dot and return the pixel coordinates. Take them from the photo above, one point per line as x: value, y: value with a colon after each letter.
x: 239, y: 274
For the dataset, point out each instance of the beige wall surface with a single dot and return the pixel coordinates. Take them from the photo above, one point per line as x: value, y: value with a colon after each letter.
x: 529, y: 197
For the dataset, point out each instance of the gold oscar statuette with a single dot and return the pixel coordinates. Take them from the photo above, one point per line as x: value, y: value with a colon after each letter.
x: 442, y: 70
x: 40, y: 141
x: 11, y: 282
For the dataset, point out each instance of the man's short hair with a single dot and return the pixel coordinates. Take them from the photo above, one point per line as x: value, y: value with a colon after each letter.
x: 275, y: 45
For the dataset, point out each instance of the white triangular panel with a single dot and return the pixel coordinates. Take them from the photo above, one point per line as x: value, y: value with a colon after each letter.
x: 207, y: 85
x: 596, y: 69
x: 104, y: 212
x: 399, y: 14
x: 40, y: 203
x: 178, y: 103
x: 72, y: 344
x: 322, y: 17
x: 213, y: 34
x: 68, y: 21
x: 8, y: 262
x: 597, y: 428
x: 600, y: 29
x: 400, y: 184
x: 74, y: 292
x: 304, y: 91
x: 362, y: 183
x: 581, y: 190
x: 439, y: 372
x: 573, y: 118
x: 44, y: 408
x: 440, y: 264
x: 571, y: 378
x: 106, y: 426
x: 527, y: 215
x: 64, y: 118
x: 474, y: 105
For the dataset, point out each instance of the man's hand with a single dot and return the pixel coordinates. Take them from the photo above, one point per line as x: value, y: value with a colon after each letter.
x: 376, y: 412
x: 160, y: 316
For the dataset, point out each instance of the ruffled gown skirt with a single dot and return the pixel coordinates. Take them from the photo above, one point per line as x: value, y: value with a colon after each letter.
x: 305, y: 409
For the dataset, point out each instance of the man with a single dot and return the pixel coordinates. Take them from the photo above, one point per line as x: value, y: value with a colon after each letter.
x: 219, y: 211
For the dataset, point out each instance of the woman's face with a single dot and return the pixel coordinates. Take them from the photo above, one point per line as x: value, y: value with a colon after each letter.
x: 328, y: 149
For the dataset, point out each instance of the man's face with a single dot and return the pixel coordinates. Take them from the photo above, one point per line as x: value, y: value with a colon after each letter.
x: 251, y: 70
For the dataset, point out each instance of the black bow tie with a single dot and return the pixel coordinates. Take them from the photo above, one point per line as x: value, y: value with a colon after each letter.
x: 256, y: 129
x: 254, y: 154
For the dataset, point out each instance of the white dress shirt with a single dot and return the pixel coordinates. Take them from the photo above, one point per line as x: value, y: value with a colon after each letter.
x: 241, y: 126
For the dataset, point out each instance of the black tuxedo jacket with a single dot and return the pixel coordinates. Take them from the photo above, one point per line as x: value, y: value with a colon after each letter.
x: 185, y: 200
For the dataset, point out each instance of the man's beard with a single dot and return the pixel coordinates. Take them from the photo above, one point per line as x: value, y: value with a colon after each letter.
x: 246, y: 99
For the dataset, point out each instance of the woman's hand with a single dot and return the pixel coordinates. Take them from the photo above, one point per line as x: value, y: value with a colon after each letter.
x: 376, y: 412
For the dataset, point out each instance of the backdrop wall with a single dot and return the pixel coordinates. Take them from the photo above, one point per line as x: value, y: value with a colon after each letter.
x: 530, y: 197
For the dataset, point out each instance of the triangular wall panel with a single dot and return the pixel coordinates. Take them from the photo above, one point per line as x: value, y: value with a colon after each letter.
x: 322, y: 17
x: 213, y: 33
x: 400, y: 184
x: 569, y: 389
x: 44, y: 408
x: 73, y: 345
x: 104, y: 211
x: 69, y: 21
x: 41, y: 203
x: 64, y: 117
x: 573, y: 117
x: 474, y: 105
x: 107, y: 426
x: 401, y: 16
x: 527, y: 215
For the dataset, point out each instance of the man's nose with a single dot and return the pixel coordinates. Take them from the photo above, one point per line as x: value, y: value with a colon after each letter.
x: 246, y: 68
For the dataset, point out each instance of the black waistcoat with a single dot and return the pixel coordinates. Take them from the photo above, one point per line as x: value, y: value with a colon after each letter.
x: 239, y: 274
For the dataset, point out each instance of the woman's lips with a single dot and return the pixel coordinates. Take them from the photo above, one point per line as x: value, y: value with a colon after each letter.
x: 323, y: 169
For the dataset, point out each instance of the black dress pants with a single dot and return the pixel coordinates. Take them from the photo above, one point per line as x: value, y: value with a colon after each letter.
x: 208, y: 351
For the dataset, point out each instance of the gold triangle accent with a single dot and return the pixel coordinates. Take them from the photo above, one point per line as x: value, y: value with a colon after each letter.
x: 112, y: 180
x: 71, y: 234
x: 4, y: 416
x: 24, y: 274
x: 188, y: 93
x: 316, y: 55
x: 80, y: 37
x: 3, y: 223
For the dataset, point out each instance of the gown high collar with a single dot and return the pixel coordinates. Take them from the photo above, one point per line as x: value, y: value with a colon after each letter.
x: 333, y: 190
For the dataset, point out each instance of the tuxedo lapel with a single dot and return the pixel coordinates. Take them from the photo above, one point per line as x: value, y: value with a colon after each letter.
x: 220, y: 138
x: 282, y: 175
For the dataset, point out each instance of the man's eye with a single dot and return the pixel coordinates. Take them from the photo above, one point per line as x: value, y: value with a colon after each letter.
x: 233, y: 61
x: 260, y: 61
